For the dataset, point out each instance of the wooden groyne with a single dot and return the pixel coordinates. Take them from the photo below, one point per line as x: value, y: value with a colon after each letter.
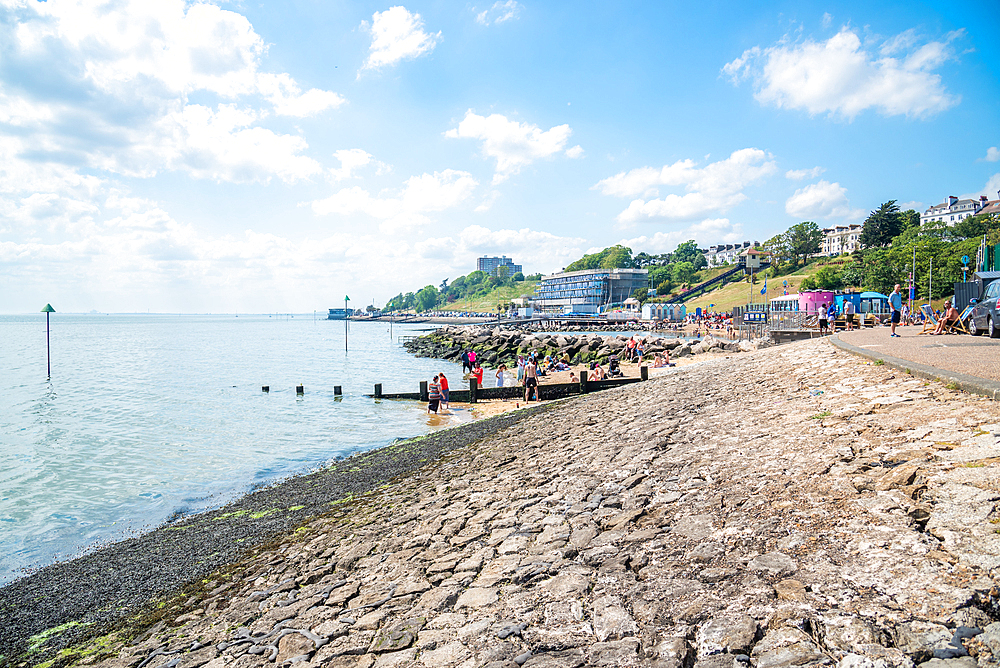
x: 548, y: 392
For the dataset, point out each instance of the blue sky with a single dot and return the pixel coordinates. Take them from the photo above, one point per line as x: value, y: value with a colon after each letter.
x: 193, y: 157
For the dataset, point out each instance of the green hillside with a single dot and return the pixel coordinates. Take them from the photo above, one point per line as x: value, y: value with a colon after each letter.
x: 488, y: 303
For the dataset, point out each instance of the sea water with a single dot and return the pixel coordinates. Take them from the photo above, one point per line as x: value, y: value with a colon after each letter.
x: 150, y: 417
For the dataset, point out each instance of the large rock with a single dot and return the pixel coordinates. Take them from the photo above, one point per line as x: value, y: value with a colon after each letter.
x: 773, y: 563
x: 786, y: 647
x: 731, y: 633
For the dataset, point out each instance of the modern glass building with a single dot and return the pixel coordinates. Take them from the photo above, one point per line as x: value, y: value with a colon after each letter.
x: 490, y: 265
x: 588, y: 290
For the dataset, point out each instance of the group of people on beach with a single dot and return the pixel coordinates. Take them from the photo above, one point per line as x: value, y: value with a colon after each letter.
x: 437, y: 394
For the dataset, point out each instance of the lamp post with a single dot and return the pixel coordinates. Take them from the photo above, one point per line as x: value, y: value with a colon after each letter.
x: 48, y: 350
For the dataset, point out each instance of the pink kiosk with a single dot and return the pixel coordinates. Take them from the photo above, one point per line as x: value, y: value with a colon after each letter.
x: 813, y: 301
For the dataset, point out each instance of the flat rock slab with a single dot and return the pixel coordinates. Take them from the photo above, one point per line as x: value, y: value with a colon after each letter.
x: 477, y: 597
x: 773, y: 563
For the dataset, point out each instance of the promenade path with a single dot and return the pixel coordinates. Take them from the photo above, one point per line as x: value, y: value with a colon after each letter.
x: 972, y: 362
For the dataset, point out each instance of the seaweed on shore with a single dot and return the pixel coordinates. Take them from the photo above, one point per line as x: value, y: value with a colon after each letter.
x: 127, y: 587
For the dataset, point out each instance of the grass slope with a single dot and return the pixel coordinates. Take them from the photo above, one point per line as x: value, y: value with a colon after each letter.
x: 488, y: 303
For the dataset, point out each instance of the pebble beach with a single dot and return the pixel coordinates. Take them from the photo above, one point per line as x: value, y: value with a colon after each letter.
x: 791, y: 506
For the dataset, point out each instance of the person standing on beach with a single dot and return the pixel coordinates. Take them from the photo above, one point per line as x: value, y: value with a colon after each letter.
x: 433, y: 396
x: 823, y: 323
x: 499, y: 374
x: 849, y: 314
x: 472, y: 360
x: 896, y: 302
x: 831, y: 315
x: 530, y: 380
x: 445, y: 402
x: 477, y: 373
x: 520, y: 369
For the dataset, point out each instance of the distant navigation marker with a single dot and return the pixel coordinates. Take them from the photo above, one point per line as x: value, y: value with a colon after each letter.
x: 48, y: 351
x: 347, y: 317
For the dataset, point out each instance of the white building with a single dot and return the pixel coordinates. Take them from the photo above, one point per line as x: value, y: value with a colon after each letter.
x: 953, y: 210
x: 840, y: 239
x: 716, y: 256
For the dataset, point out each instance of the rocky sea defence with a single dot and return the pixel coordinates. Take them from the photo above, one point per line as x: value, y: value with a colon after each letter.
x: 794, y: 506
x: 501, y: 345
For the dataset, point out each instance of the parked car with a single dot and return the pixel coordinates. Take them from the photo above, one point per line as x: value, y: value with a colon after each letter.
x: 985, y: 312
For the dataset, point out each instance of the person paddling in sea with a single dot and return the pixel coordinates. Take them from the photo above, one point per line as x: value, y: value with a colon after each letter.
x: 445, y: 403
x: 477, y: 373
x: 500, y: 372
x: 433, y: 396
x: 530, y: 380
x: 465, y: 361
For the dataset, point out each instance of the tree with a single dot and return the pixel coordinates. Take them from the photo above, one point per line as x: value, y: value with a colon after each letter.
x: 518, y: 277
x: 881, y: 226
x: 777, y: 250
x: 614, y: 257
x: 664, y: 288
x: 682, y: 272
x: 804, y: 240
x: 975, y: 227
x: 533, y: 277
x: 686, y: 252
x: 427, y: 298
x: 641, y: 294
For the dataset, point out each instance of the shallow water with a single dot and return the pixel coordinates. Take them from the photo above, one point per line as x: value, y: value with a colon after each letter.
x: 147, y: 417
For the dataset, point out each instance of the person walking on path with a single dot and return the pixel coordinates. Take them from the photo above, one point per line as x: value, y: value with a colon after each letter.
x: 445, y: 391
x: 849, y: 314
x: 530, y: 380
x: 433, y: 396
x: 896, y: 302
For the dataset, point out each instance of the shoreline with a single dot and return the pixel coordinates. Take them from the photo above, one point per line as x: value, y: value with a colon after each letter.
x: 844, y: 517
x: 171, y: 556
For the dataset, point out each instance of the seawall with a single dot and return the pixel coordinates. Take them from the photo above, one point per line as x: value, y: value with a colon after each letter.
x: 788, y: 507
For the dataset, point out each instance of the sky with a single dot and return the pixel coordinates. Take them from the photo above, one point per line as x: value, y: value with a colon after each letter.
x: 193, y: 157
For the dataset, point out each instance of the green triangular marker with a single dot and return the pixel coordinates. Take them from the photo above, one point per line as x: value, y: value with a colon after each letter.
x: 48, y: 309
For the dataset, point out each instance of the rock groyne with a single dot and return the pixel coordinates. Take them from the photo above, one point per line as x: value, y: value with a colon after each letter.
x: 496, y: 345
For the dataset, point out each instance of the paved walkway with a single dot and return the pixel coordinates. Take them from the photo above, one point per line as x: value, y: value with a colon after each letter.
x: 973, y: 362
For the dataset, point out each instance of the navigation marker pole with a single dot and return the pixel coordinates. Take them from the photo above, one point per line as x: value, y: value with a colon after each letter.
x: 48, y: 351
x: 346, y: 318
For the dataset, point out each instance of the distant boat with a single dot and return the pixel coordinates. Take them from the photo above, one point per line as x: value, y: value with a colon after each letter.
x: 340, y: 314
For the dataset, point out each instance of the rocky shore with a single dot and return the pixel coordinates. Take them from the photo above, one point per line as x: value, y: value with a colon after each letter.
x: 501, y: 345
x: 794, y: 506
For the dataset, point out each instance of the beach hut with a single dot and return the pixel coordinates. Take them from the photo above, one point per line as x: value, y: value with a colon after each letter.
x: 785, y: 304
x: 813, y: 301
x: 663, y: 312
x: 874, y: 302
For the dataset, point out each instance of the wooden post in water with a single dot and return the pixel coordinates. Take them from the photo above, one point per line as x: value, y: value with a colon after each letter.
x: 337, y: 390
x: 48, y: 350
x: 378, y: 390
x: 473, y: 390
x: 423, y: 390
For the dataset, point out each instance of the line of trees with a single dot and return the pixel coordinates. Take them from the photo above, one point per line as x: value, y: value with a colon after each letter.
x: 475, y: 284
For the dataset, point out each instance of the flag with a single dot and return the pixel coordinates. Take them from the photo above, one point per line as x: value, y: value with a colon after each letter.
x: 763, y: 290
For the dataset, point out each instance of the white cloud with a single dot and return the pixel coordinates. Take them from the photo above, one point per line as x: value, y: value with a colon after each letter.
x: 992, y: 154
x: 514, y: 145
x: 351, y: 159
x: 119, y: 100
x: 500, y: 12
x: 397, y: 35
x: 799, y: 174
x: 821, y: 200
x: 706, y: 232
x: 990, y: 189
x: 575, y: 152
x: 842, y: 77
x: 714, y: 188
x: 420, y: 195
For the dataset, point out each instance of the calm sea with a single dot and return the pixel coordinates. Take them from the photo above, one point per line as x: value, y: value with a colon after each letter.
x: 147, y: 417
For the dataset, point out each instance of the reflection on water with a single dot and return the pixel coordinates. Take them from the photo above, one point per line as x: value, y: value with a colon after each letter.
x: 147, y: 417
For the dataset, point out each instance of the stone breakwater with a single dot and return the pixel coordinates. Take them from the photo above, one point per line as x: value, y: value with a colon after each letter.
x: 496, y: 345
x: 794, y: 506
